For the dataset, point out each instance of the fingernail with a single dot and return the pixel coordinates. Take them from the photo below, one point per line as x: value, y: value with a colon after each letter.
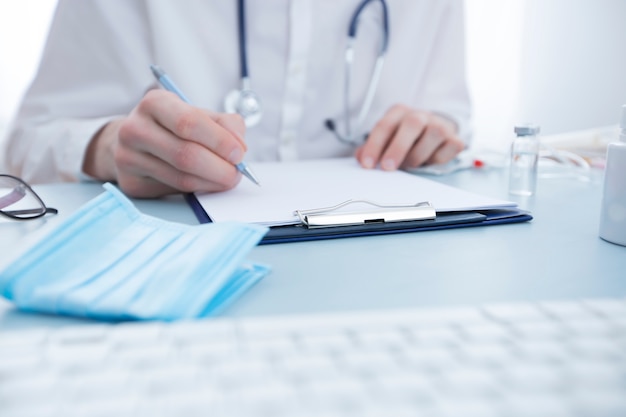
x: 388, y: 164
x: 368, y: 162
x: 235, y: 156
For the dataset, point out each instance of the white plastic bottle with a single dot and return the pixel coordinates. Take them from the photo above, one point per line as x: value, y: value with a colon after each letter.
x: 524, y: 157
x: 613, y: 214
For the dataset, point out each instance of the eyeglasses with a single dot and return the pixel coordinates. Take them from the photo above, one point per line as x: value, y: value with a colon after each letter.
x: 19, y: 202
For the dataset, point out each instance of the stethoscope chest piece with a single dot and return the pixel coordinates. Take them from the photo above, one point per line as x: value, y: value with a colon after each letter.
x: 246, y: 103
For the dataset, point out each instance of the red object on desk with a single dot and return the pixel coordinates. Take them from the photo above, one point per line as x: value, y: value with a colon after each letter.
x: 478, y: 163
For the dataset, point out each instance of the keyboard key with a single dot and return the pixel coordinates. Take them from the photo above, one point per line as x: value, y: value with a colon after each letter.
x: 444, y: 336
x: 601, y: 404
x: 545, y: 329
x: 368, y: 363
x: 415, y: 387
x: 488, y: 333
x: 514, y: 312
x: 11, y: 341
x: 303, y: 368
x: 607, y: 307
x: 468, y: 381
x: 82, y: 335
x: 430, y: 359
x: 488, y: 354
x: 564, y: 310
x: 199, y: 331
x: 537, y: 404
x: 591, y: 327
x: 330, y: 342
x: 381, y: 338
x: 468, y: 408
x: 135, y: 333
x: 531, y: 377
x: 555, y: 350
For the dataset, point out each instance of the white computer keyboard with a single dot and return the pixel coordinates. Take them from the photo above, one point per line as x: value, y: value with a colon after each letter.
x: 548, y: 359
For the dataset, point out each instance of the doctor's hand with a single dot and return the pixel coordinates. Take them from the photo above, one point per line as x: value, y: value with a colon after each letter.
x: 165, y: 146
x: 408, y: 138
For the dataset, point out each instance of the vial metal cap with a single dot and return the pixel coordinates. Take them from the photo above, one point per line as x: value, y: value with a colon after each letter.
x: 622, y: 123
x: 526, y: 130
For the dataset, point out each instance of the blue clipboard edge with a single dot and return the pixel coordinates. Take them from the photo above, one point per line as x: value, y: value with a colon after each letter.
x: 195, y: 205
x: 451, y: 220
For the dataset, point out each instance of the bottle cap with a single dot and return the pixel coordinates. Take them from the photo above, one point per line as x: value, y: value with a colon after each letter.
x: 527, y: 129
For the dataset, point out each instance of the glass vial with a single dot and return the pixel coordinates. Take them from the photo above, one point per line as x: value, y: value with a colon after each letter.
x: 613, y: 213
x: 524, y: 157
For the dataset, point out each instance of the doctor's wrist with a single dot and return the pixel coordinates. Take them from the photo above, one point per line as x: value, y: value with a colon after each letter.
x: 99, y: 159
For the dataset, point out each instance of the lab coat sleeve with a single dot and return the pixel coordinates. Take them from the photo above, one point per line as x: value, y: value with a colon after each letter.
x: 94, y: 68
x: 445, y: 90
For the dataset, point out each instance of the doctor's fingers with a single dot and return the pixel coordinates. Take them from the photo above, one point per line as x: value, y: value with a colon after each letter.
x: 234, y: 123
x: 392, y: 137
x: 190, y: 164
x: 437, y: 145
x: 221, y: 133
x: 142, y: 187
x: 446, y: 152
x: 143, y: 175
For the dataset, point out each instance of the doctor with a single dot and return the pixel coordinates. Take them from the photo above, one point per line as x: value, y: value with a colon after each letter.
x: 269, y: 80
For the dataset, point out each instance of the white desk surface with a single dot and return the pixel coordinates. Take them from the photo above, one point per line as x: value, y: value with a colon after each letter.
x: 556, y: 256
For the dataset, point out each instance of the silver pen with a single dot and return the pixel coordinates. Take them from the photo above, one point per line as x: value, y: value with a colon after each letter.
x: 169, y: 85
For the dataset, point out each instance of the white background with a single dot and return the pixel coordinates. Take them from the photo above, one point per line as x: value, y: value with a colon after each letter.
x: 558, y: 63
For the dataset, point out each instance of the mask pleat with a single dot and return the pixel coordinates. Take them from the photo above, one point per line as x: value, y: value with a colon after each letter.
x: 225, y: 260
x: 124, y: 258
x: 151, y: 258
x: 65, y: 250
x: 239, y: 282
x: 168, y: 293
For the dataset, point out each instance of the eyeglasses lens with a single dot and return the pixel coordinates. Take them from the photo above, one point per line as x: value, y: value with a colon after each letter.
x: 17, y: 200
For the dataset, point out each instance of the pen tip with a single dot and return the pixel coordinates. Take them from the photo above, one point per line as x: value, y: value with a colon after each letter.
x: 253, y: 178
x: 247, y: 172
x: 156, y: 70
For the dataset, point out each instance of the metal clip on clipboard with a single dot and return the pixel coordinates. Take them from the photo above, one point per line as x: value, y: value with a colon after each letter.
x: 323, y: 217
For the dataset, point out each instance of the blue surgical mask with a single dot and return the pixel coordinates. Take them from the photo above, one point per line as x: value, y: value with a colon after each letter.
x: 109, y: 261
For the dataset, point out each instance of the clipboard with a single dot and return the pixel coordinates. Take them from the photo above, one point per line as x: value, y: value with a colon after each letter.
x: 409, y: 220
x: 336, y: 198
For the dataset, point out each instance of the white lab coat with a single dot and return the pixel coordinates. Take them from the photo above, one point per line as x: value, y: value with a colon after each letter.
x: 95, y: 67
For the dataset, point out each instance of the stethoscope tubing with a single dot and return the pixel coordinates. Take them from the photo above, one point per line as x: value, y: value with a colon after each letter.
x: 243, y: 52
x: 352, y: 28
x: 349, y: 138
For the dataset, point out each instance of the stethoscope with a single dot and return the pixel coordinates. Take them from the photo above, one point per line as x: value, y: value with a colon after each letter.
x: 244, y: 100
x: 247, y: 103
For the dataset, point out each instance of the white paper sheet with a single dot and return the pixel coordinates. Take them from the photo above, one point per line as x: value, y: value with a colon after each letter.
x: 289, y: 186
